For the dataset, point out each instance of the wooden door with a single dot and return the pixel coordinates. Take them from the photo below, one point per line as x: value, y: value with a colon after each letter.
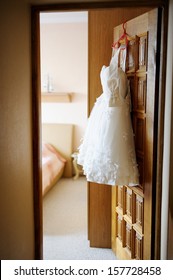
x: 132, y: 207
x: 101, y: 24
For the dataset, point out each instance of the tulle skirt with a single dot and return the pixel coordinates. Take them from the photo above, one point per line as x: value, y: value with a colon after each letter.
x: 107, y: 152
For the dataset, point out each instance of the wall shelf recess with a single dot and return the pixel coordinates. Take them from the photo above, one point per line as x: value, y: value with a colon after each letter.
x: 56, y: 97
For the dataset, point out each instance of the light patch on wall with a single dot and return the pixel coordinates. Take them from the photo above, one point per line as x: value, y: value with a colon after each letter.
x: 66, y: 17
x: 64, y: 58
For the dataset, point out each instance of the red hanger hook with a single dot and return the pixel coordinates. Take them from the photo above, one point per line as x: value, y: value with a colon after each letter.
x: 124, y: 27
x: 123, y: 36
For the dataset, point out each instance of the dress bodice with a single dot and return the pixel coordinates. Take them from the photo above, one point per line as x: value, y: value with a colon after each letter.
x: 114, y: 83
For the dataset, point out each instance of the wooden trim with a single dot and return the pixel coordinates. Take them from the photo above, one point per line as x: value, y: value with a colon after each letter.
x: 75, y: 6
x: 36, y: 101
x: 160, y: 130
x: 36, y: 135
x: 155, y: 132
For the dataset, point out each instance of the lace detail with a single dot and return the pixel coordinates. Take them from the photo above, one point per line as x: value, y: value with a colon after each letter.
x: 99, y: 167
x: 98, y: 170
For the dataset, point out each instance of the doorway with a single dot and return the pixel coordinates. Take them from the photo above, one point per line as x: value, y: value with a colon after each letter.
x: 93, y: 86
x: 64, y: 61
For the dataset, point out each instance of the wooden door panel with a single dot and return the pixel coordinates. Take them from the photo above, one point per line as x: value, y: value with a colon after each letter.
x: 101, y: 24
x: 129, y: 204
x: 140, y: 161
x: 139, y: 246
x: 141, y: 72
x: 140, y: 96
x: 139, y: 131
x: 139, y: 212
x: 100, y: 224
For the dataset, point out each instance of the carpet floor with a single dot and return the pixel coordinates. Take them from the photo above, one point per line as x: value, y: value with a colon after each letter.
x: 65, y: 223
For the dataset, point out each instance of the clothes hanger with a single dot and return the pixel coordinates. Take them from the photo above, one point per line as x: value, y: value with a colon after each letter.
x: 124, y: 37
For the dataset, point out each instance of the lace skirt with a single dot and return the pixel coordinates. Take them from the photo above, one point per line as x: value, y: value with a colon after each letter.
x: 107, y: 152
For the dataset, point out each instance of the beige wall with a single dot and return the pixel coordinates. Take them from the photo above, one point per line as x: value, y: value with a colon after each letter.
x: 16, y: 197
x: 16, y: 194
x: 167, y: 196
x: 64, y: 57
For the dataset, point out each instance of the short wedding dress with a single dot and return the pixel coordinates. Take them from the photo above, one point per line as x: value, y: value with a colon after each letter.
x: 107, y: 152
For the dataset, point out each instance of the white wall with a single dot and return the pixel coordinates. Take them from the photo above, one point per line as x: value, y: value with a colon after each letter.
x: 64, y: 57
x: 167, y: 204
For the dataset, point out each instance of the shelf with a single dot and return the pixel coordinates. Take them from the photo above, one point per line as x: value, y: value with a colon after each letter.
x: 54, y: 97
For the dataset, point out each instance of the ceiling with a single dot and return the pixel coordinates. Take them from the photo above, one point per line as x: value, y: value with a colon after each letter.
x: 63, y: 17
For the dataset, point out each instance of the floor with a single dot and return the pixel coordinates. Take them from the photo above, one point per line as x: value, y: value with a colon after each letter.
x: 65, y: 223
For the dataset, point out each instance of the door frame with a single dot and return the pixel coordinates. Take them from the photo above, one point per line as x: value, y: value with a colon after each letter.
x: 36, y: 109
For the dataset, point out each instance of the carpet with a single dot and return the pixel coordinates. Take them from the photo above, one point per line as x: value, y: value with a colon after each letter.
x: 65, y: 223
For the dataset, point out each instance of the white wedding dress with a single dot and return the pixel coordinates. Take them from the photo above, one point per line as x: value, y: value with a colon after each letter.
x: 107, y: 152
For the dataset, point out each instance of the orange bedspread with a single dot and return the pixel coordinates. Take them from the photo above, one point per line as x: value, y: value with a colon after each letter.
x: 52, y: 166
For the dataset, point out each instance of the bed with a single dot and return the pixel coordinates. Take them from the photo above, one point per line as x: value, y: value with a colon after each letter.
x: 57, y: 148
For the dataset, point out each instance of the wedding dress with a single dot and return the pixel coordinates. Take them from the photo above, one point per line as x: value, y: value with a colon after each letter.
x: 107, y: 152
